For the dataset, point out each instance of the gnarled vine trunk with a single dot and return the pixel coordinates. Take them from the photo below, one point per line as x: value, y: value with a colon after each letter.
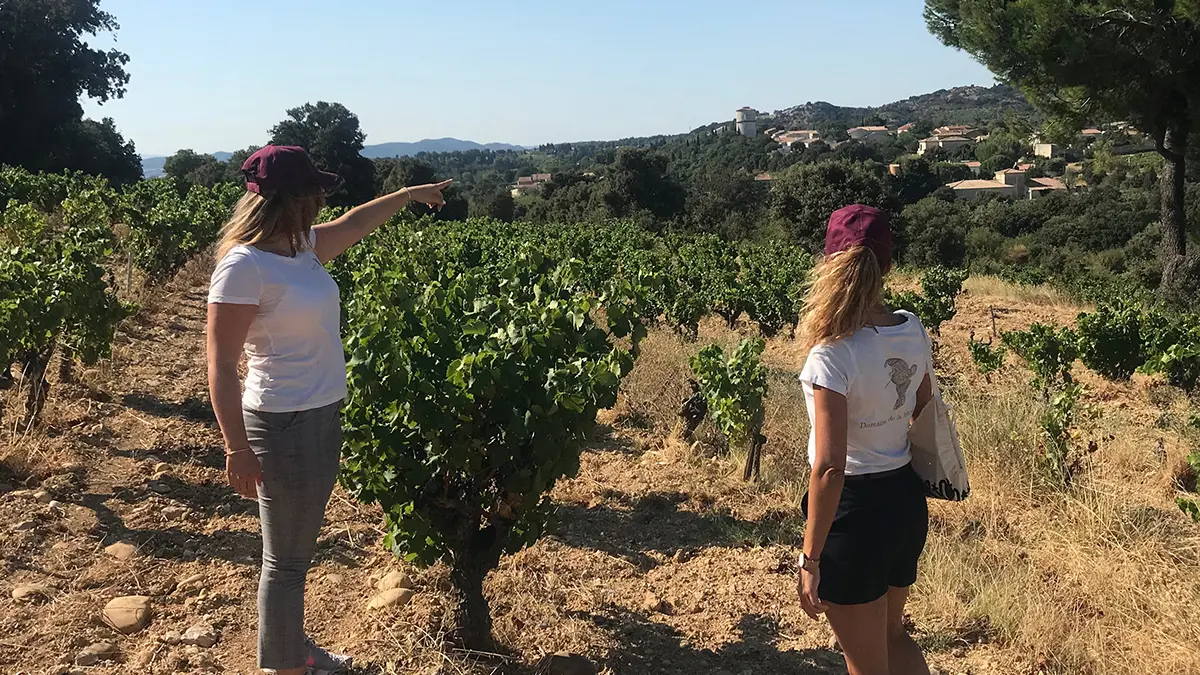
x: 34, y: 374
x: 468, y: 569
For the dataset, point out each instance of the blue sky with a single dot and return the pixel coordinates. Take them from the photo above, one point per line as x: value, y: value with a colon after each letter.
x: 216, y: 74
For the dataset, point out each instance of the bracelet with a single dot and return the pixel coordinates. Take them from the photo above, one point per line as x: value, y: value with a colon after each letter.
x: 231, y: 453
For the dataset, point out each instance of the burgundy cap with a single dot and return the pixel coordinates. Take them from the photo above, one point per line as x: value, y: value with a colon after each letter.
x: 858, y: 225
x: 287, y: 169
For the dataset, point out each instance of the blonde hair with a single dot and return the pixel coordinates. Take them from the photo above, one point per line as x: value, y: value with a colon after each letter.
x: 844, y: 289
x: 257, y: 219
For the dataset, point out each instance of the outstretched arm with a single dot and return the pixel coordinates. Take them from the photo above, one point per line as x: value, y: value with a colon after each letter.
x: 334, y: 237
x: 824, y: 488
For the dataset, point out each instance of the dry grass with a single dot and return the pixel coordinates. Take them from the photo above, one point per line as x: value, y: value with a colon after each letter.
x: 1000, y: 290
x: 1097, y: 578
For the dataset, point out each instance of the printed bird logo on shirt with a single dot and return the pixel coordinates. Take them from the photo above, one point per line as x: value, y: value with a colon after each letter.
x: 902, y: 376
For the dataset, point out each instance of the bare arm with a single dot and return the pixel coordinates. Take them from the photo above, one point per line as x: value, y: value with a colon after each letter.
x: 829, y: 470
x: 824, y: 487
x: 924, y: 396
x: 338, y: 235
x: 228, y: 326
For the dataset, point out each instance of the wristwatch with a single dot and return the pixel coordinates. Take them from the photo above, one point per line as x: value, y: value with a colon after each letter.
x: 810, y: 565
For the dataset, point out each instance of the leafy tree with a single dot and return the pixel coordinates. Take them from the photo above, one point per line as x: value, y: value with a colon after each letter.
x: 497, y: 206
x: 725, y: 203
x: 638, y: 182
x: 331, y: 134
x: 46, y: 65
x: 933, y: 232
x: 191, y: 168
x: 805, y: 196
x: 917, y: 180
x: 1136, y: 60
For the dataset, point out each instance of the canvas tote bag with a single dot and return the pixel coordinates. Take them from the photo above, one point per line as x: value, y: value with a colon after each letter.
x: 937, y: 455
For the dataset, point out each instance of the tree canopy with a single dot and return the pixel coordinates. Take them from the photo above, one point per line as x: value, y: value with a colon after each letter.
x: 332, y: 135
x: 45, y: 67
x: 1084, y: 60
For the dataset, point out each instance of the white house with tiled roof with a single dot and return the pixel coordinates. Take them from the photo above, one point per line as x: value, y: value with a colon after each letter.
x: 947, y: 143
x: 1008, y: 184
x: 865, y: 134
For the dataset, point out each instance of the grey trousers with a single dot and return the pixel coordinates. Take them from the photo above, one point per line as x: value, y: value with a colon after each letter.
x: 299, y: 452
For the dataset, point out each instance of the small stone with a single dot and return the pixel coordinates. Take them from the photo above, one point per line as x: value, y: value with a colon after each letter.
x: 160, y: 488
x: 174, y: 512
x: 654, y: 604
x: 92, y: 654
x: 122, y: 550
x: 161, y: 467
x: 31, y: 593
x: 194, y: 582
x: 172, y: 637
x: 25, y: 525
x: 393, y: 597
x: 160, y: 476
x: 564, y: 663
x: 54, y: 504
x: 201, y: 635
x: 128, y: 614
x: 335, y: 578
x: 143, y: 659
x: 394, y: 579
x: 43, y: 497
x: 958, y: 652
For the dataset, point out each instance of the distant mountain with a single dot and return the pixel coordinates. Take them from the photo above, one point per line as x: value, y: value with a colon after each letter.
x: 431, y: 145
x: 152, y: 167
x: 960, y: 105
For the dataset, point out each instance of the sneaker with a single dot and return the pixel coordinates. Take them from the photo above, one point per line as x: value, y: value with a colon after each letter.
x: 321, y: 662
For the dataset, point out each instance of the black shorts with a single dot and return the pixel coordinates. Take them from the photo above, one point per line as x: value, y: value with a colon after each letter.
x: 877, y: 536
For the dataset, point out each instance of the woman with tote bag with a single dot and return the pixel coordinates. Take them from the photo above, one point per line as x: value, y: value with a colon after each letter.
x: 867, y: 377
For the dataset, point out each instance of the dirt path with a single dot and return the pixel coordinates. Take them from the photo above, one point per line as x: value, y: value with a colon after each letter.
x: 661, y: 564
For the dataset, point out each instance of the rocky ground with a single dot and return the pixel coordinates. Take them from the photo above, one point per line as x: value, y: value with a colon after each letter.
x: 124, y: 551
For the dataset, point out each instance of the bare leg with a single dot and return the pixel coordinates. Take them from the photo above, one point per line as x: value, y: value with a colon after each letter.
x: 862, y: 632
x: 904, y: 656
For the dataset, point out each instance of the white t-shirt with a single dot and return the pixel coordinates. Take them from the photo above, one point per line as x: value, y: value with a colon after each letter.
x: 878, y: 370
x: 294, y: 345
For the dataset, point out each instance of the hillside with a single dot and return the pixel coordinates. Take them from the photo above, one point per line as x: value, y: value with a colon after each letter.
x: 960, y: 105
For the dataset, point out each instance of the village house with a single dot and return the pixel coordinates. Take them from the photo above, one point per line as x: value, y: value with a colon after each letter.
x: 530, y: 184
x: 947, y: 143
x: 804, y: 137
x: 957, y: 130
x: 1047, y: 150
x: 867, y: 134
x: 906, y: 128
x: 1008, y: 184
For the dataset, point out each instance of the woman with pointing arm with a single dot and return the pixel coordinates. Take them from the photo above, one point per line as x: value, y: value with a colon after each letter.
x: 271, y: 297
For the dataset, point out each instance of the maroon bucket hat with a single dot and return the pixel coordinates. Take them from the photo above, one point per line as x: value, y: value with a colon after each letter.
x: 286, y: 169
x: 858, y: 225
